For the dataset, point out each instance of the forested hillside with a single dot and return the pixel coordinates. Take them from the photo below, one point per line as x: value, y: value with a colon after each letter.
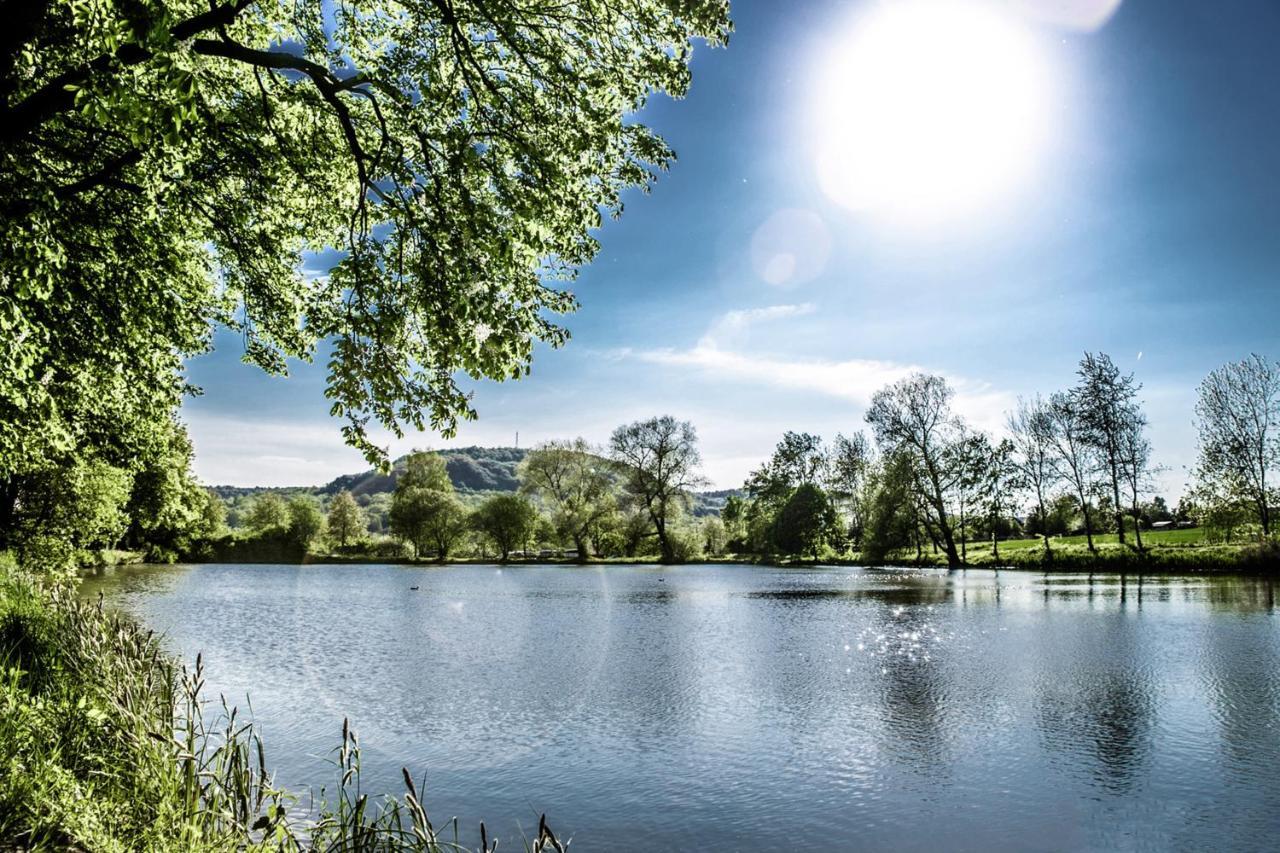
x: 474, y: 471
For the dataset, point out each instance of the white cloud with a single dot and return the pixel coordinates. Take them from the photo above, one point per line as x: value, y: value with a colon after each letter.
x: 719, y: 353
x: 734, y: 327
x: 855, y: 380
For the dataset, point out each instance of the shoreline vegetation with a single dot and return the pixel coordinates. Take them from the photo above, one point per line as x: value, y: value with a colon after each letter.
x: 108, y: 744
x: 1185, y: 554
x: 1069, y: 483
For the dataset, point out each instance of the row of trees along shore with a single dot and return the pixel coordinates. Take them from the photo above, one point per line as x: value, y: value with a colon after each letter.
x: 631, y: 499
x: 922, y: 485
x: 1078, y: 460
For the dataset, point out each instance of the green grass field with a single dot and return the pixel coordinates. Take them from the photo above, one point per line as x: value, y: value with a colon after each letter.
x: 1150, y: 539
x: 1185, y: 550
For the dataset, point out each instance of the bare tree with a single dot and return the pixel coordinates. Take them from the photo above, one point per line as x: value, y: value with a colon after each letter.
x: 1135, y: 466
x: 969, y: 456
x: 1072, y: 456
x: 1238, y: 416
x: 659, y: 459
x: 998, y: 486
x: 1031, y: 429
x: 913, y: 416
x: 1106, y: 402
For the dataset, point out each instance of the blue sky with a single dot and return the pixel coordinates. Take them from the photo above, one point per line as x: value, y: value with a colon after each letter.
x: 743, y: 297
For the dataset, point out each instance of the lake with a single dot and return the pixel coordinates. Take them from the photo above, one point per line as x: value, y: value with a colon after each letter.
x: 745, y: 708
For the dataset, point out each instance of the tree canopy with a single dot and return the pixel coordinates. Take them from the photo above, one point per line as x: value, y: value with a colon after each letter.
x: 508, y: 520
x: 407, y: 181
x: 575, y: 483
x: 659, y: 460
x: 1238, y: 416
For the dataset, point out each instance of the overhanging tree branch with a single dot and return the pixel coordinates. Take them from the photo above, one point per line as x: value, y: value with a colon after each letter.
x: 58, y: 95
x: 108, y: 175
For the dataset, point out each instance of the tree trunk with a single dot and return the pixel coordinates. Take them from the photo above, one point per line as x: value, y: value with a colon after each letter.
x: 1115, y: 495
x: 953, y: 556
x: 1088, y: 525
x: 1137, y: 525
x: 8, y: 510
x: 948, y: 538
x: 1044, y: 527
x: 664, y: 545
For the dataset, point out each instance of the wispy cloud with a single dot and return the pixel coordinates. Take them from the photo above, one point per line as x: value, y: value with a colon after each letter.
x: 720, y: 352
x: 733, y: 327
x: 855, y: 380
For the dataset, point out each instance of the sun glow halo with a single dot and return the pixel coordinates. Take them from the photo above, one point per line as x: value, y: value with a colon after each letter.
x: 929, y: 109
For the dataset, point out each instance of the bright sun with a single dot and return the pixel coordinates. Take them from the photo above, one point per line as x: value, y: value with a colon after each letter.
x: 930, y: 109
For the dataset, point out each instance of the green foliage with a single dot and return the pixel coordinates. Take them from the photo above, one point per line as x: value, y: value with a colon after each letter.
x: 659, y: 461
x: 1106, y: 403
x: 305, y: 522
x: 423, y: 470
x: 715, y: 538
x: 734, y: 518
x: 798, y: 459
x: 346, y: 520
x: 169, y: 513
x: 850, y: 468
x: 891, y: 517
x: 576, y: 485
x: 628, y: 533
x: 66, y: 509
x: 508, y: 520
x: 267, y: 513
x: 165, y: 164
x: 806, y: 522
x: 1238, y: 417
x: 424, y: 511
x: 912, y: 418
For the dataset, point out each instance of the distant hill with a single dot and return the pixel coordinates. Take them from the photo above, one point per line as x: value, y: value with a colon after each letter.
x: 472, y: 469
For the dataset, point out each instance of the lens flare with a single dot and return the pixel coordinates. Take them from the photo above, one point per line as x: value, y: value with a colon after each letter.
x: 930, y: 109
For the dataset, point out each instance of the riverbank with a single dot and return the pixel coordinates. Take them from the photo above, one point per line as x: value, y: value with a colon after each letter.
x: 104, y: 746
x: 715, y: 707
x: 1024, y: 555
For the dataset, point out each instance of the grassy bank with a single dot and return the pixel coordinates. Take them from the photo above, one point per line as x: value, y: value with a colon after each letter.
x: 1171, y: 551
x: 1065, y: 556
x: 105, y: 745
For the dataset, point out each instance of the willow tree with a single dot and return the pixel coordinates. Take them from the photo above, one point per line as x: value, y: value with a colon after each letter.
x: 413, y: 181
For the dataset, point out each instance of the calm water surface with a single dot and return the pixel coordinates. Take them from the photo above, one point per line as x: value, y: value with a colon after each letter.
x: 743, y: 708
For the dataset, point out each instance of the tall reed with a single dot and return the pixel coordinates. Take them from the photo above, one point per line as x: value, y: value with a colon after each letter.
x: 106, y: 744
